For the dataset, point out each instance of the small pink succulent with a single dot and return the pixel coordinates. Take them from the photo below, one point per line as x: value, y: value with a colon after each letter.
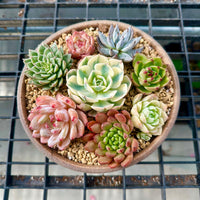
x: 80, y: 44
x: 110, y: 138
x: 56, y: 121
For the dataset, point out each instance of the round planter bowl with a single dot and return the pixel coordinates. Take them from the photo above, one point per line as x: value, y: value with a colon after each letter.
x: 52, y: 154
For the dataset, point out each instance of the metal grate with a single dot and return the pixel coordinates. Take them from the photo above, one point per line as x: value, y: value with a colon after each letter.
x: 24, y: 24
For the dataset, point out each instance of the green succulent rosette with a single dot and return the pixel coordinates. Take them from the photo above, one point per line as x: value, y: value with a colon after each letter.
x: 149, y: 74
x: 47, y: 66
x: 98, y: 83
x: 148, y: 115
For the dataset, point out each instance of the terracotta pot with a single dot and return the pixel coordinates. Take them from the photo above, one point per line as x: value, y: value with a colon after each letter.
x: 52, y: 154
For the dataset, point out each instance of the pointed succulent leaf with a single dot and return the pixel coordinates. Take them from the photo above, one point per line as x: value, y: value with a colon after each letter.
x: 131, y: 44
x: 110, y: 37
x: 116, y: 34
x: 103, y: 39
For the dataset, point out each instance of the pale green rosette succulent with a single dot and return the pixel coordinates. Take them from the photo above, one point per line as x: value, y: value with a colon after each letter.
x: 148, y: 114
x: 47, y: 66
x: 98, y: 83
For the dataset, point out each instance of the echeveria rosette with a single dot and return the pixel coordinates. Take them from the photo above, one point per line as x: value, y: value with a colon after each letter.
x: 149, y: 74
x: 47, y: 66
x: 98, y: 83
x: 118, y: 45
x: 110, y: 138
x: 148, y: 114
x: 56, y: 121
x: 80, y: 44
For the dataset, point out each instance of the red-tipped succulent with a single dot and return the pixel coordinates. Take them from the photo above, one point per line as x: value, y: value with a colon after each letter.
x: 56, y: 121
x: 110, y: 138
x: 80, y: 44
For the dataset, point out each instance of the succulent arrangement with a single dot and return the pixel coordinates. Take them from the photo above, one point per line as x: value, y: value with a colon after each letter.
x: 47, y: 66
x: 89, y: 101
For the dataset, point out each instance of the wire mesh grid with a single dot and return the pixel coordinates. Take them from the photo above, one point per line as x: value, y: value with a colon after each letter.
x: 176, y: 26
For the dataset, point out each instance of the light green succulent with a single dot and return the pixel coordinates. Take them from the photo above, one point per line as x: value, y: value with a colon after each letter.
x: 118, y: 45
x: 98, y: 83
x: 149, y: 114
x: 47, y: 66
x: 149, y: 74
x: 144, y: 136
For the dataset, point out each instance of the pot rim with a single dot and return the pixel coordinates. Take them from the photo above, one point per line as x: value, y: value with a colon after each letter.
x: 65, y: 162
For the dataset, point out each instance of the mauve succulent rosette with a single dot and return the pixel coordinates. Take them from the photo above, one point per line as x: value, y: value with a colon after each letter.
x: 110, y: 138
x: 80, y: 44
x: 56, y: 121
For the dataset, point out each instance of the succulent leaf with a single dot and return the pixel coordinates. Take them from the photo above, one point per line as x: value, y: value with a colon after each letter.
x: 47, y: 67
x: 118, y: 45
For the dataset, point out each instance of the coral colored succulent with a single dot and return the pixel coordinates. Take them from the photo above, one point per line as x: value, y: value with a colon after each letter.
x: 149, y: 74
x: 149, y: 114
x: 47, y: 66
x: 80, y: 44
x: 56, y: 121
x: 110, y: 138
x: 98, y: 83
x: 118, y: 45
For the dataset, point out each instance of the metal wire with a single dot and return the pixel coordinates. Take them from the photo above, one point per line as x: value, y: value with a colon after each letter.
x: 167, y: 22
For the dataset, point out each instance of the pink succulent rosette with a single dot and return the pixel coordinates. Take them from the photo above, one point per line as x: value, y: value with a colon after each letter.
x: 56, y: 121
x: 80, y: 44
